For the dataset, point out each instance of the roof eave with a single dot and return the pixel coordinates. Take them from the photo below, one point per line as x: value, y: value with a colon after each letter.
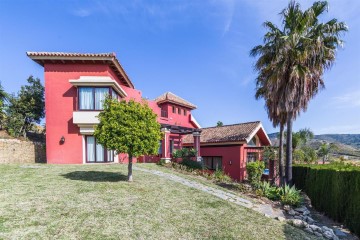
x: 40, y: 59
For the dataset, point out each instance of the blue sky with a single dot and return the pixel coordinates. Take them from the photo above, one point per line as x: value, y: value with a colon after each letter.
x: 197, y: 49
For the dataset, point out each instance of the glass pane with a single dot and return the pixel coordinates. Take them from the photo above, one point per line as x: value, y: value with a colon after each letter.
x: 110, y: 156
x: 90, y: 150
x: 100, y: 94
x: 160, y: 147
x: 218, y: 163
x: 86, y: 100
x: 99, y: 153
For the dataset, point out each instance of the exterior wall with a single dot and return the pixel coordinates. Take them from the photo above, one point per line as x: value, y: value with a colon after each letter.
x: 61, y: 101
x: 17, y: 151
x: 174, y: 118
x: 232, y: 162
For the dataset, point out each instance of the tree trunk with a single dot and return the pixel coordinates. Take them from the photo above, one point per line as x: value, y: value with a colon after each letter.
x: 130, y: 178
x: 281, y: 155
x: 288, y: 173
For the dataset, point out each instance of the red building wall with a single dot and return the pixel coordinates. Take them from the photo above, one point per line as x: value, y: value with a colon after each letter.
x: 60, y: 102
x: 232, y: 162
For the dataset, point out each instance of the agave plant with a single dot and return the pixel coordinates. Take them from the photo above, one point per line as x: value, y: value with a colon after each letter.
x: 290, y: 195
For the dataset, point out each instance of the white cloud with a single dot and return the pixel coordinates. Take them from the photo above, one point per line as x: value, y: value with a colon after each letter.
x: 348, y: 100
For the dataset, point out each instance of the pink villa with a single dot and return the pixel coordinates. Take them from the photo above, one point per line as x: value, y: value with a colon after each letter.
x: 77, y: 83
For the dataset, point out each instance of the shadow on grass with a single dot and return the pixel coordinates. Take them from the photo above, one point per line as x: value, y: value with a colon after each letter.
x: 95, y: 176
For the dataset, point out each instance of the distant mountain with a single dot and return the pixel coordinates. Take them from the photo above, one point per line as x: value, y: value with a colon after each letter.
x: 347, y: 139
x: 348, y: 144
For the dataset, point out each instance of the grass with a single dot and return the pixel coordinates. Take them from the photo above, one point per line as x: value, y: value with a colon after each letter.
x: 95, y: 202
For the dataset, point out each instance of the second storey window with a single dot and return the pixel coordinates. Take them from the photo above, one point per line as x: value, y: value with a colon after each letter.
x: 92, y: 98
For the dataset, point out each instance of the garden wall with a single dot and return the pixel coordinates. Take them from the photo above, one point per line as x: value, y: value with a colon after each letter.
x: 333, y: 189
x: 17, y: 151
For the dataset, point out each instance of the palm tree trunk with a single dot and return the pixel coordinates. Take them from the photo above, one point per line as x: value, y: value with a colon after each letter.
x: 130, y: 178
x: 281, y: 155
x: 288, y: 173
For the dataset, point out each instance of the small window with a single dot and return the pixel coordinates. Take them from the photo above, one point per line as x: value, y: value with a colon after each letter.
x: 252, y: 142
x: 179, y: 110
x: 173, y: 109
x: 213, y: 163
x: 184, y: 112
x: 92, y: 98
x: 251, y: 157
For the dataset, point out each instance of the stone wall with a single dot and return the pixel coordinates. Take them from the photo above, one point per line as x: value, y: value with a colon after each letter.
x: 17, y: 151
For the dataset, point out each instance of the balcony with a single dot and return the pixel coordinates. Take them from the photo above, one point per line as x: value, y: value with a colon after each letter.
x: 86, y: 120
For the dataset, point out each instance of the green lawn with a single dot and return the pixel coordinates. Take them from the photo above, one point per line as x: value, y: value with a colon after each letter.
x: 95, y: 202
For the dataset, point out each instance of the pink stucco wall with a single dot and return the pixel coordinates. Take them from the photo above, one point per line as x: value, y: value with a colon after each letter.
x: 60, y: 102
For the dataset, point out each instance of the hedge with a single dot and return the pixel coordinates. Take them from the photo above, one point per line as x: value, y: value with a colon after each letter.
x: 333, y: 189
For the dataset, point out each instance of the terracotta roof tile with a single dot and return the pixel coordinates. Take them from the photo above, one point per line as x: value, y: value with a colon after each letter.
x: 110, y: 58
x: 64, y: 54
x: 227, y: 133
x: 170, y: 97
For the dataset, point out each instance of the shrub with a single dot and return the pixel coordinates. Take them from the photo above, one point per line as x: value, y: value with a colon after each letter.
x: 185, y: 153
x: 267, y: 190
x: 254, y: 172
x: 289, y: 195
x: 334, y: 189
x: 220, y: 176
x: 191, y: 164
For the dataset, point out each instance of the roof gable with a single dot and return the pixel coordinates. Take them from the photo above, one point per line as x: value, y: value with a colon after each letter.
x: 242, y: 132
x: 172, y: 98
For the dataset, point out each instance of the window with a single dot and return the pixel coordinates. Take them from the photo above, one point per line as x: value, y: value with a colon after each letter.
x: 171, y: 146
x: 97, y: 153
x: 184, y: 112
x: 179, y: 110
x: 160, y: 147
x: 92, y: 98
x: 251, y: 157
x: 115, y: 95
x: 213, y: 163
x: 173, y: 109
x: 252, y: 142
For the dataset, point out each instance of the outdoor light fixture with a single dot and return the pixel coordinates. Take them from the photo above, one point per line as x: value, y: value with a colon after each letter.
x: 230, y: 162
x: 62, y: 140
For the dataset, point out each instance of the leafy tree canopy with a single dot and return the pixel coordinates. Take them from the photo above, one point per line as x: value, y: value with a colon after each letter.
x: 25, y: 108
x: 128, y: 127
x: 219, y: 124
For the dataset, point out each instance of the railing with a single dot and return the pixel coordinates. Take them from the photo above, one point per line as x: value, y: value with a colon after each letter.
x: 164, y: 113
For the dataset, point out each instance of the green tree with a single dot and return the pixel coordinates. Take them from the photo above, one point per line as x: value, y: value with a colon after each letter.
x: 292, y: 61
x: 325, y: 150
x: 26, y: 108
x: 300, y: 138
x: 128, y: 127
x: 219, y: 124
x: 3, y: 99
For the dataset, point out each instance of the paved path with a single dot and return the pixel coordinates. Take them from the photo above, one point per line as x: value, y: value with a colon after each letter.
x: 265, y: 209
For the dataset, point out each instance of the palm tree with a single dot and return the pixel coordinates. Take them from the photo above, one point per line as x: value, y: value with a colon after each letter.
x: 278, y: 119
x: 293, y: 59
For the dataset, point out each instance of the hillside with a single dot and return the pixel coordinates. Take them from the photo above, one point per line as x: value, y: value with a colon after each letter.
x: 347, y: 144
x: 347, y: 139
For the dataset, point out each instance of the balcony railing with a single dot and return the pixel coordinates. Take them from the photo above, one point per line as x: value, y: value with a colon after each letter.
x: 164, y: 113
